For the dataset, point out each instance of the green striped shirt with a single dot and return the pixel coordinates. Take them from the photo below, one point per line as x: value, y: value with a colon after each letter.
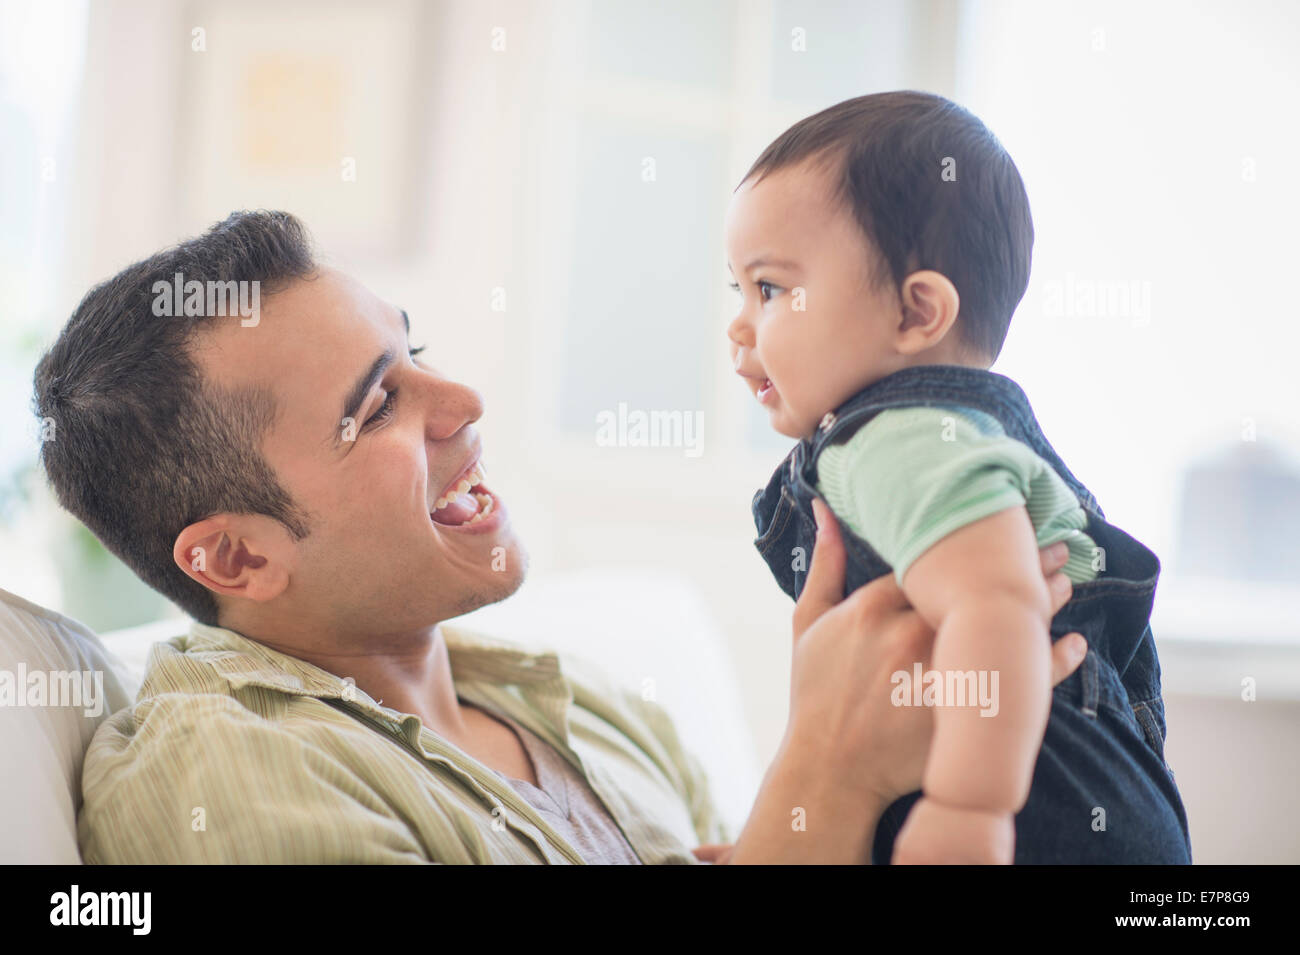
x: 911, y: 476
x: 234, y: 752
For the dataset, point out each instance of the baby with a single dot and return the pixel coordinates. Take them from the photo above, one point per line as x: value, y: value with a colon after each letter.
x: 879, y: 248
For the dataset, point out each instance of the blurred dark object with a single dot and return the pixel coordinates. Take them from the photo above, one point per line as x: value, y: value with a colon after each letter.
x: 1240, y: 516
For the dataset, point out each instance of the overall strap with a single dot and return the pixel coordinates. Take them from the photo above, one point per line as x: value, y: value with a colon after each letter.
x: 936, y: 386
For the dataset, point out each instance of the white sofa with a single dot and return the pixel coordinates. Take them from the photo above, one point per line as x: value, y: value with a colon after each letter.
x: 41, y: 746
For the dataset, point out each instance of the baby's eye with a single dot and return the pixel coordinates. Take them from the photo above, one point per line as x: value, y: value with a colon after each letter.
x: 734, y: 286
x: 766, y: 290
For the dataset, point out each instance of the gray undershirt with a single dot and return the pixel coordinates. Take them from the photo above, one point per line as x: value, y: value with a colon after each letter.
x: 566, y: 801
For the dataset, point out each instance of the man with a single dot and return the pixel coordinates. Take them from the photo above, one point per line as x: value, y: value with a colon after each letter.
x: 292, y: 476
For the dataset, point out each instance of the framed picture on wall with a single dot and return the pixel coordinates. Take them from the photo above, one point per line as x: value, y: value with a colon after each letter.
x: 293, y: 106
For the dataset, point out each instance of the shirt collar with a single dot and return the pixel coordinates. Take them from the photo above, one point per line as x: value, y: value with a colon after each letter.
x: 473, y: 657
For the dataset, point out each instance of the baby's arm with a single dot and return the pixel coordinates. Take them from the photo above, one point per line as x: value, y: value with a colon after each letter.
x: 981, y: 589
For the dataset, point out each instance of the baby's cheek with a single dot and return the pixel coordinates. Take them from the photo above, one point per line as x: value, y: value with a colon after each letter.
x: 797, y: 404
x: 787, y: 423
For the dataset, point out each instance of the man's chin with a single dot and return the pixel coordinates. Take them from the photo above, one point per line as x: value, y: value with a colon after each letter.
x: 502, y: 584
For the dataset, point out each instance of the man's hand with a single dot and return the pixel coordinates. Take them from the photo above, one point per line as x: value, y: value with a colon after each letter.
x: 935, y: 834
x: 845, y: 652
x: 714, y: 853
x: 848, y: 752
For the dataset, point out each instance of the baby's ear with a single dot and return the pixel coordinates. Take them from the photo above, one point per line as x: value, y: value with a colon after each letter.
x: 930, y: 304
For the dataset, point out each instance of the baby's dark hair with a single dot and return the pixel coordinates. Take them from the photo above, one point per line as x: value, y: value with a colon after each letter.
x: 931, y: 188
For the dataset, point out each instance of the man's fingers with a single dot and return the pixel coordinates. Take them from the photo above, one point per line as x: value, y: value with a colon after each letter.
x: 1053, y: 558
x: 1069, y: 651
x: 1067, y: 654
x: 1059, y: 590
x: 880, y: 596
x: 717, y: 854
x: 824, y: 587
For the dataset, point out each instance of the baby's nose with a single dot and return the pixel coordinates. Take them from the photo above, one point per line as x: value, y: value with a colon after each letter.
x: 738, y: 332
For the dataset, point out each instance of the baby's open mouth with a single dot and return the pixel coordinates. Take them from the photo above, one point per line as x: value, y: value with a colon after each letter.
x: 467, y: 503
x: 765, y: 389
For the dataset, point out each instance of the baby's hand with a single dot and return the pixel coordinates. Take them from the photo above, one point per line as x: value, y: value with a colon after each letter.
x: 935, y: 834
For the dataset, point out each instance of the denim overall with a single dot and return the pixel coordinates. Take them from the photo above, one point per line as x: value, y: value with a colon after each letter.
x: 1102, y: 791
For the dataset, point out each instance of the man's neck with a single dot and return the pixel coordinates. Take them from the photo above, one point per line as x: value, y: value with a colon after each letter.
x: 410, y: 672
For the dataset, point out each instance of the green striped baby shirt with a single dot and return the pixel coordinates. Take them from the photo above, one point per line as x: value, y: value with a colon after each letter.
x: 911, y: 476
x: 234, y: 752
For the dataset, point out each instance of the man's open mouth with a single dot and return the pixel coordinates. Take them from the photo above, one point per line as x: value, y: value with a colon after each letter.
x: 466, y: 502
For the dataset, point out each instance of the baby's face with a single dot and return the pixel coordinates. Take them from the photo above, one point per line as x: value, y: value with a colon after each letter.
x: 810, y: 331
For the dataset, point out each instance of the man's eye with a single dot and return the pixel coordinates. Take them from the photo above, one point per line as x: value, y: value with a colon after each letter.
x: 385, y: 410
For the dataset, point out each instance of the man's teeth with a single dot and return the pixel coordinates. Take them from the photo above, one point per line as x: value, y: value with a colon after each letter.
x: 484, y: 508
x: 470, y: 480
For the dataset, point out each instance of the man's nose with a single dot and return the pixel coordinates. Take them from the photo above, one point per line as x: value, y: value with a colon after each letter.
x: 453, y: 406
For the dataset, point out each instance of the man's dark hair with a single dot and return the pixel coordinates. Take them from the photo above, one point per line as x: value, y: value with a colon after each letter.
x: 890, y: 150
x: 141, y: 444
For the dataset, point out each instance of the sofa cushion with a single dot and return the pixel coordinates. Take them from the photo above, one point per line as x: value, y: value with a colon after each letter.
x: 57, y: 684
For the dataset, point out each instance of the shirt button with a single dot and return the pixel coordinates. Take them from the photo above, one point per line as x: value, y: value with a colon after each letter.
x: 827, y: 420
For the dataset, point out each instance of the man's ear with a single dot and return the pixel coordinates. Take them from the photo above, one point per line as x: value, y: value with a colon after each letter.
x: 930, y: 304
x: 239, y: 555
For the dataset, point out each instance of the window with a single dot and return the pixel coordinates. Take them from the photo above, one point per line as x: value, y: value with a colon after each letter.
x: 1156, y: 339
